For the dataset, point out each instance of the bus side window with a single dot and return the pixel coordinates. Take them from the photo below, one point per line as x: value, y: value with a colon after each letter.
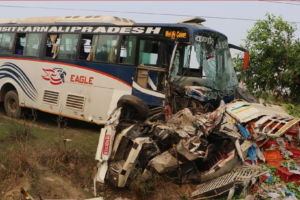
x: 127, y: 53
x: 86, y: 45
x: 68, y: 46
x: 6, y: 42
x: 106, y: 49
x: 20, y: 43
x: 52, y: 44
x: 93, y: 51
x: 32, y: 45
x: 148, y: 54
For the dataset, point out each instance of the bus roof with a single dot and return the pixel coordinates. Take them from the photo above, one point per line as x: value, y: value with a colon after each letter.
x: 69, y: 19
x: 193, y: 24
x: 80, y: 19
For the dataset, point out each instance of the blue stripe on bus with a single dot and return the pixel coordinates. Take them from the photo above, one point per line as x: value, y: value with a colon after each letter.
x: 21, y: 73
x: 122, y: 72
x: 148, y: 99
x: 8, y: 72
x: 4, y: 73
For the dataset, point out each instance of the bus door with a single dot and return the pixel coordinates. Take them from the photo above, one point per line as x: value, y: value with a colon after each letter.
x: 152, y: 62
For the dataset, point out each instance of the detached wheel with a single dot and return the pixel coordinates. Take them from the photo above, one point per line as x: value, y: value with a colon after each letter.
x: 133, y: 108
x: 240, y: 93
x: 11, y: 104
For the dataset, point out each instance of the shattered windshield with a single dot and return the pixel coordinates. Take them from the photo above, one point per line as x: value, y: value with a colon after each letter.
x: 215, y: 63
x: 207, y: 63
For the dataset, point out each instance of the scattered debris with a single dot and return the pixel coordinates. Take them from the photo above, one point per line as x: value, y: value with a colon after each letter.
x: 229, y: 182
x: 26, y: 194
x: 235, y: 148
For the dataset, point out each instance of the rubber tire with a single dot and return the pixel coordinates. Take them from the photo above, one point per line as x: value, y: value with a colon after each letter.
x: 135, y: 102
x: 12, y: 95
x: 240, y: 93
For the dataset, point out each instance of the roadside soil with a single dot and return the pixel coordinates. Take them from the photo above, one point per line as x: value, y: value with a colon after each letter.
x: 34, y: 156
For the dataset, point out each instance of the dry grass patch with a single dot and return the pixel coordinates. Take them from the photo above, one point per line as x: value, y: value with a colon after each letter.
x: 72, y: 164
x: 14, y: 167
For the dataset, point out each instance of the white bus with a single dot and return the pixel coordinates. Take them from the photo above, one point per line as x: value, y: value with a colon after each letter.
x: 80, y: 66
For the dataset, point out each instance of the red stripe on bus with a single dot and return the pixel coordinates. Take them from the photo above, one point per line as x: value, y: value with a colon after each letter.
x: 47, y: 79
x: 54, y: 83
x: 55, y: 79
x: 72, y: 65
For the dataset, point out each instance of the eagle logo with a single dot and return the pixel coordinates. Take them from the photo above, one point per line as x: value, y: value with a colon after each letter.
x: 55, y: 76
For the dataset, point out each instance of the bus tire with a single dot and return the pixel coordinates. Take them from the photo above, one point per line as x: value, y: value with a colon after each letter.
x: 240, y: 93
x: 135, y: 102
x: 11, y: 104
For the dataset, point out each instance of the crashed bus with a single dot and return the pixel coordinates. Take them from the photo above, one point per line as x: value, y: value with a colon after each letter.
x: 183, y: 118
x: 80, y: 66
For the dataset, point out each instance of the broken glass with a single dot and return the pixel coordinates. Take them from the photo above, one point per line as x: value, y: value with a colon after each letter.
x: 213, y: 56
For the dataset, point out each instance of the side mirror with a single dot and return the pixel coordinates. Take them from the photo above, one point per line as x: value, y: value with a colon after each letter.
x: 246, y: 60
x: 246, y: 54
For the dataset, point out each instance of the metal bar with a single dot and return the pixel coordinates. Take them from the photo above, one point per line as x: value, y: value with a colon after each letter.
x: 271, y: 122
x: 279, y: 123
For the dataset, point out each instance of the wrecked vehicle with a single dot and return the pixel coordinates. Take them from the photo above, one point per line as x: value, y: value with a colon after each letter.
x: 196, y: 131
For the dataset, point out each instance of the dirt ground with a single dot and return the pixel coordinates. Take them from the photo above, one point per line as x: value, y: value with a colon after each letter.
x: 57, y: 187
x: 28, y: 146
x: 34, y: 156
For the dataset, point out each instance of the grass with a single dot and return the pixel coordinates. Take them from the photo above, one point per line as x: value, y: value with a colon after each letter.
x: 36, y: 157
x: 33, y: 155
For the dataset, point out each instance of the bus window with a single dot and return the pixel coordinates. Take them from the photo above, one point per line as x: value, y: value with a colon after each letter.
x: 107, y: 48
x: 148, y: 52
x: 20, y: 43
x: 127, y: 53
x: 6, y: 42
x: 87, y: 47
x: 32, y: 46
x: 52, y: 45
x: 67, y: 46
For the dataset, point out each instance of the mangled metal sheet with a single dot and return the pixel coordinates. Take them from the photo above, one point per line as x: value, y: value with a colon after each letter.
x: 274, y: 126
x: 223, y: 184
x: 245, y: 112
x: 242, y: 111
x: 286, y: 127
x: 273, y: 110
x: 225, y: 160
x: 185, y: 124
x: 119, y: 170
x: 182, y: 123
x: 209, y: 121
x: 196, y: 92
x: 192, y: 145
x: 228, y: 128
x: 106, y: 141
x: 170, y: 159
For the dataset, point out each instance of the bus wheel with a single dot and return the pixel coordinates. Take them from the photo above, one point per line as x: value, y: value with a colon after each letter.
x: 240, y: 93
x: 133, y: 108
x: 11, y: 104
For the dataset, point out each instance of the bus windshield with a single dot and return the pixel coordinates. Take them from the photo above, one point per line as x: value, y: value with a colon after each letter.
x: 211, y: 63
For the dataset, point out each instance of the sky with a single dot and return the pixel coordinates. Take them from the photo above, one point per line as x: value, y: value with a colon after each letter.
x: 235, y: 30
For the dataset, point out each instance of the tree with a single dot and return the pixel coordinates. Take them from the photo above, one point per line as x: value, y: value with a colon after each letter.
x: 274, y: 65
